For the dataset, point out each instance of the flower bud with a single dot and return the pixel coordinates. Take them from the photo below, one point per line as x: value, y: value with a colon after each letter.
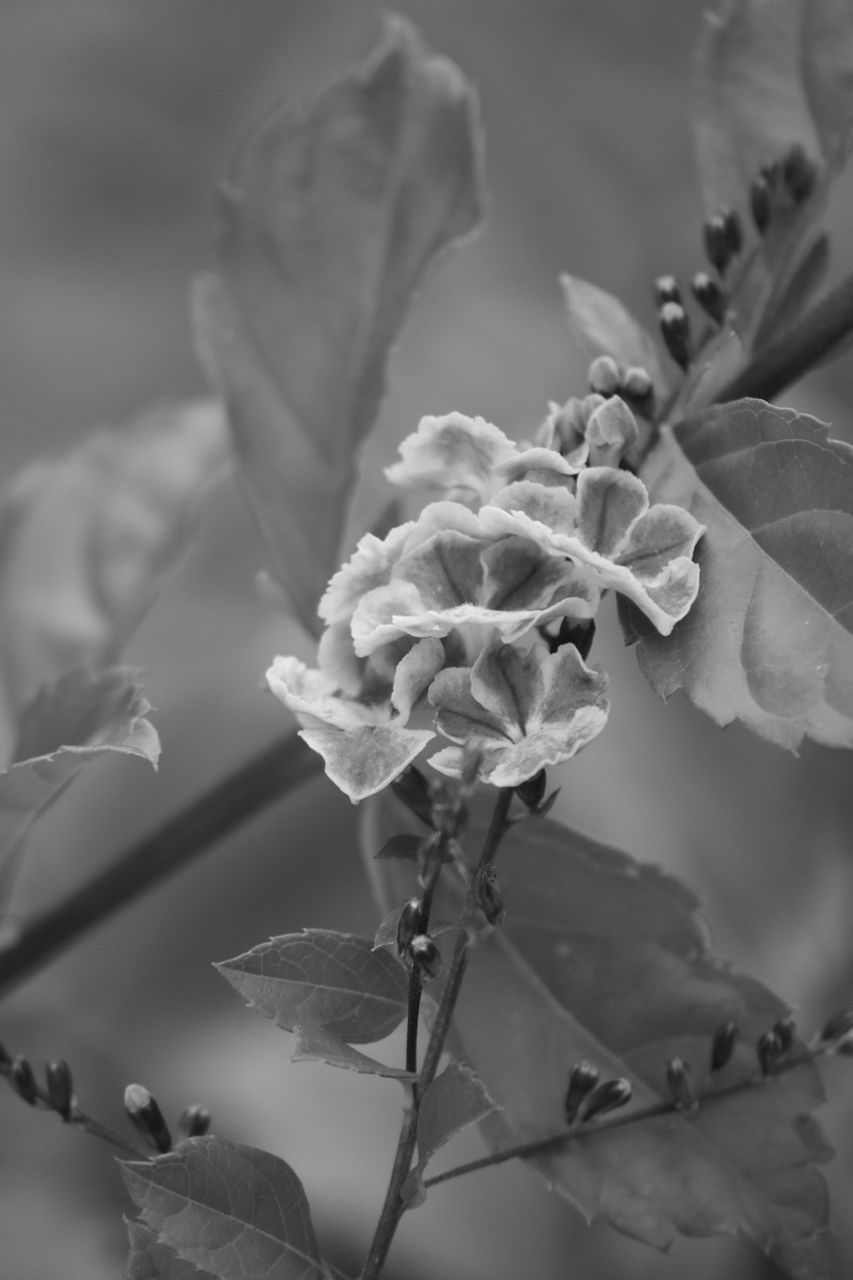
x: 666, y: 289
x: 709, y: 295
x: 638, y: 390
x: 412, y: 788
x: 143, y: 1110
x: 722, y: 1045
x: 610, y: 430
x: 734, y: 230
x: 785, y: 1029
x: 605, y: 376
x: 425, y: 956
x: 607, y: 1097
x: 60, y: 1087
x: 194, y: 1122
x: 488, y: 895
x: 799, y: 174
x: 761, y: 203
x: 23, y: 1080
x: 583, y: 1078
x: 769, y: 1049
x: 839, y: 1028
x: 722, y: 238
x: 679, y: 1080
x: 410, y: 924
x: 675, y: 329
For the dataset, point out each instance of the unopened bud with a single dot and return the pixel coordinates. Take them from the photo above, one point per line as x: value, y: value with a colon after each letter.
x: 734, y: 230
x: 143, y: 1110
x: 583, y: 1078
x: 426, y: 956
x: 718, y: 239
x: 23, y: 1080
x: 675, y: 329
x: 769, y: 1050
x: 761, y: 203
x: 607, y: 1097
x: 60, y: 1087
x: 194, y: 1122
x: 410, y: 924
x: 722, y: 1045
x: 785, y: 1029
x: 412, y: 789
x: 799, y: 173
x: 488, y: 896
x: 610, y: 430
x: 709, y: 295
x: 638, y: 390
x: 666, y: 289
x: 679, y: 1079
x: 839, y: 1028
x: 531, y: 792
x: 605, y: 376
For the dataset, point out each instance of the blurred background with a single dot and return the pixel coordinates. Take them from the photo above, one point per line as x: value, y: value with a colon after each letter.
x: 117, y: 119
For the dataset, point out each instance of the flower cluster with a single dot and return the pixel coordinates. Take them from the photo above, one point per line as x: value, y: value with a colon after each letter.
x: 460, y: 623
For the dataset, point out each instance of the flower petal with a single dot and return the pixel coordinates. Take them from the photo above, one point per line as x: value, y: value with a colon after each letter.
x: 460, y: 716
x: 508, y: 682
x: 545, y: 466
x: 363, y: 760
x: 453, y: 454
x: 608, y: 503
x: 367, y: 568
x: 522, y: 760
x: 414, y: 674
x: 658, y: 537
x: 373, y: 620
x: 313, y: 697
x: 568, y: 685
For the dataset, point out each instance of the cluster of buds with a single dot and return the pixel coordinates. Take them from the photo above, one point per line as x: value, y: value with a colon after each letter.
x: 144, y: 1112
x: 586, y: 1098
x: 633, y: 385
x: 56, y: 1095
x: 781, y: 186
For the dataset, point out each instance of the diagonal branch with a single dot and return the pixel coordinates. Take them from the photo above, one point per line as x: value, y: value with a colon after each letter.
x: 266, y: 777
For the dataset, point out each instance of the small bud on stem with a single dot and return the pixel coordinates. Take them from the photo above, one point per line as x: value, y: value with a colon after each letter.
x: 143, y: 1110
x: 488, y: 895
x: 23, y: 1080
x: 722, y: 1045
x: 194, y: 1122
x: 60, y: 1087
x: 675, y: 329
x: 709, y: 295
x: 425, y: 956
x: 410, y: 924
x: 605, y: 376
x: 679, y: 1079
x: 666, y: 289
x: 607, y: 1097
x: 583, y: 1078
x: 770, y: 1051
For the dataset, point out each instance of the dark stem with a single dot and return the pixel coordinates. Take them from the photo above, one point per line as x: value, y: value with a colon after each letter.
x: 394, y: 1207
x: 618, y: 1120
x: 268, y: 776
x: 798, y: 349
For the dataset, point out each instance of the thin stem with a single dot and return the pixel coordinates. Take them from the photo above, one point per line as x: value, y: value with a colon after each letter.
x: 415, y: 978
x: 77, y: 1119
x: 798, y: 349
x: 266, y: 777
x: 394, y: 1207
x: 619, y: 1120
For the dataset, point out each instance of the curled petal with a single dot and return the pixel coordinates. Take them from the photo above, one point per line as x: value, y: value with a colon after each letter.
x: 313, y: 697
x: 545, y: 466
x: 373, y: 622
x: 338, y: 660
x: 520, y: 507
x: 453, y: 454
x: 369, y: 567
x: 415, y: 672
x: 365, y: 759
x: 664, y: 533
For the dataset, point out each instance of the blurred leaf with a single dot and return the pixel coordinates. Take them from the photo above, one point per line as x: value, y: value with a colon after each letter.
x: 318, y: 979
x: 768, y: 641
x: 455, y: 1099
x: 315, y: 1044
x: 85, y: 542
x: 331, y: 217
x: 797, y: 292
x: 82, y: 716
x: 600, y: 325
x: 234, y: 1212
x: 149, y: 1260
x: 604, y: 959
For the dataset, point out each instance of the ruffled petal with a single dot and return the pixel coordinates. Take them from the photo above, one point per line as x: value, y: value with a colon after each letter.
x: 373, y: 620
x: 521, y: 507
x: 415, y: 674
x: 611, y: 430
x: 313, y: 697
x: 364, y: 760
x: 568, y: 685
x: 608, y: 503
x: 543, y: 465
x: 662, y: 534
x: 453, y: 454
x: 369, y: 567
x: 523, y: 760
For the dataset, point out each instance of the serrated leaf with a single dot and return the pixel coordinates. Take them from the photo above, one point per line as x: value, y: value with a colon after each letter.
x: 768, y: 641
x: 150, y: 1260
x: 456, y: 1099
x: 386, y: 930
x: 234, y: 1212
x: 82, y: 716
x: 331, y: 217
x: 85, y: 541
x: 315, y: 1044
x: 604, y: 959
x: 599, y: 324
x: 332, y: 981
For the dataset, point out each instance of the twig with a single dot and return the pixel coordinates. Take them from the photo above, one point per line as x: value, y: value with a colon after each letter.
x: 268, y: 776
x: 619, y: 1120
x: 394, y: 1206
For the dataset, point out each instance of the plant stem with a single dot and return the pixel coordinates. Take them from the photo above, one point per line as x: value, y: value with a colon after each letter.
x: 266, y: 777
x: 394, y: 1206
x: 619, y: 1120
x: 798, y: 349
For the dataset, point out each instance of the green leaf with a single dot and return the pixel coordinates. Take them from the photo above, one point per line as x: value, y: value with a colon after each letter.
x: 599, y: 324
x: 455, y: 1099
x: 150, y: 1260
x: 768, y: 640
x: 318, y: 979
x: 234, y: 1212
x: 331, y: 217
x: 85, y: 541
x: 82, y: 716
x: 315, y: 1044
x: 604, y: 959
